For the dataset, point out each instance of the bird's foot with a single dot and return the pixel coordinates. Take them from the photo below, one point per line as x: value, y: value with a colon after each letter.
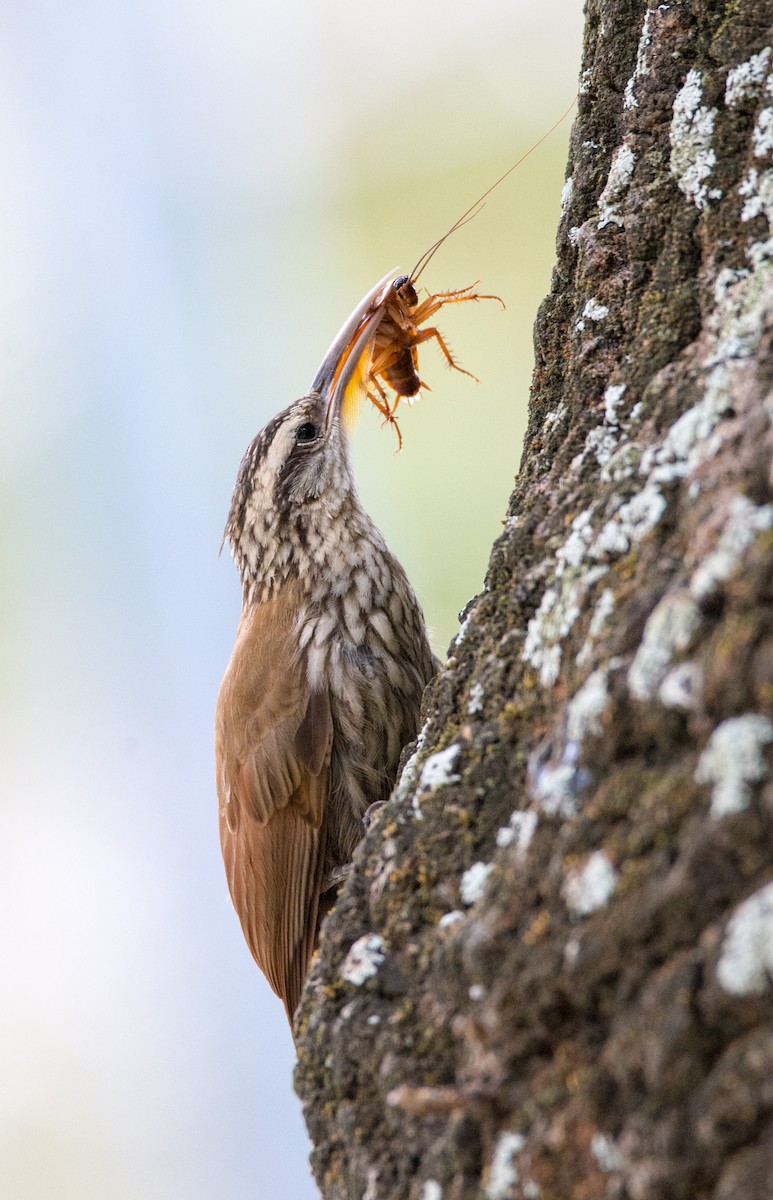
x: 336, y: 877
x: 371, y: 812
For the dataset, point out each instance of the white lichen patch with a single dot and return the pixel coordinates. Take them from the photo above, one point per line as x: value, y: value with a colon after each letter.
x: 557, y: 787
x: 557, y: 416
x: 464, y: 626
x: 671, y: 626
x: 557, y: 778
x: 431, y: 1190
x: 629, y: 97
x: 594, y: 310
x: 503, y: 1173
x: 591, y: 886
x: 606, y: 1152
x: 557, y: 613
x: 641, y: 67
x: 622, y: 465
x: 571, y: 554
x: 571, y: 953
x: 588, y: 705
x: 739, y: 322
x: 475, y: 701
x: 744, y: 81
x: 615, y: 188
x: 692, y: 129
x: 520, y: 831
x: 744, y: 524
x: 473, y: 882
x: 600, y: 443
x: 438, y: 770
x: 733, y: 761
x: 612, y: 398
x: 745, y: 966
x: 762, y: 134
x: 727, y: 278
x: 364, y: 959
x: 682, y: 687
x: 560, y: 604
x: 407, y: 781
x: 686, y: 444
x: 548, y: 657
x: 760, y: 253
x: 602, y: 612
x: 632, y: 522
x: 744, y: 300
x: 566, y: 194
x: 756, y: 188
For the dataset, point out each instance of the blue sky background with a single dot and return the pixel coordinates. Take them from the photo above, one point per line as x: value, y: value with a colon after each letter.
x: 194, y: 197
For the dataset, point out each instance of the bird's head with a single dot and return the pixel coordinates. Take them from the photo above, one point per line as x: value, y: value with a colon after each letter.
x: 296, y: 472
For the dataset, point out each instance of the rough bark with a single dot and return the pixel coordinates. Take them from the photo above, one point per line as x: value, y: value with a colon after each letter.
x: 550, y: 974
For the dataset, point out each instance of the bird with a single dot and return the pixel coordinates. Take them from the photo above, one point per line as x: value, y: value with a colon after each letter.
x: 323, y: 688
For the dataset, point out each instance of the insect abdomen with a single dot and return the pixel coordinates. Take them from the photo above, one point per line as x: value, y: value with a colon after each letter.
x: 401, y: 374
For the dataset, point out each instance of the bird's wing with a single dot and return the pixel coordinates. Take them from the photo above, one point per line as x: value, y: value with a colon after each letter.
x: 272, y: 742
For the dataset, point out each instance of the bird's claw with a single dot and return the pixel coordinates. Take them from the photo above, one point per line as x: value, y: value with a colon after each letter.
x: 371, y: 812
x: 336, y: 876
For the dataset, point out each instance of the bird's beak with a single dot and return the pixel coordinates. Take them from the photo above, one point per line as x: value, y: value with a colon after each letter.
x: 352, y: 343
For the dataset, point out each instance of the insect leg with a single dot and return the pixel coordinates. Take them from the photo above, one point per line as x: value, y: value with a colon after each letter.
x: 381, y: 402
x: 426, y: 334
x: 461, y: 298
x: 436, y: 300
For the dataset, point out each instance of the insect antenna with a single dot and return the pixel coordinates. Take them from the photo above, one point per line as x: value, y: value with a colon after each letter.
x: 463, y: 220
x: 475, y: 208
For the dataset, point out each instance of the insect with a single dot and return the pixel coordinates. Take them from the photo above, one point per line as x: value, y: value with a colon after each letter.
x: 392, y: 360
x: 394, y: 355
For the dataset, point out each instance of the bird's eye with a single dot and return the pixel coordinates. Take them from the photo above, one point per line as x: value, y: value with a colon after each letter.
x: 306, y: 432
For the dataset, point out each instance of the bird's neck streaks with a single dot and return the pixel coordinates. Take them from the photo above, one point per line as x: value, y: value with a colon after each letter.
x: 328, y: 546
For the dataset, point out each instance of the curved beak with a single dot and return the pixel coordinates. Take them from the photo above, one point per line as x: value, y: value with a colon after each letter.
x: 340, y: 364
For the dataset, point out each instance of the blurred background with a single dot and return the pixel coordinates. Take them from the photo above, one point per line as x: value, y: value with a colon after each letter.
x: 195, y: 197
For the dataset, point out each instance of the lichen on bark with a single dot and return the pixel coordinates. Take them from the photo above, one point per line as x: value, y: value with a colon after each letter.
x: 570, y: 888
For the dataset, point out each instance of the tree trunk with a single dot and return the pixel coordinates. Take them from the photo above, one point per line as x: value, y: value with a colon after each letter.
x: 550, y: 973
